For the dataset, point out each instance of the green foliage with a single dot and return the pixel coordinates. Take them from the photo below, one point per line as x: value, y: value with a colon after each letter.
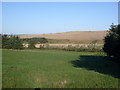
x: 36, y: 40
x: 66, y: 41
x: 32, y: 44
x: 40, y: 40
x: 0, y: 41
x: 33, y: 41
x: 94, y: 41
x: 112, y: 42
x: 11, y: 42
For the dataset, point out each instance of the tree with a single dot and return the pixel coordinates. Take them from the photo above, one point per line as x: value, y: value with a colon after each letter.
x: 112, y: 42
x: 40, y: 40
x: 11, y: 42
x: 5, y: 41
x: 15, y: 43
x: 33, y: 41
x: 31, y: 44
x: 0, y: 41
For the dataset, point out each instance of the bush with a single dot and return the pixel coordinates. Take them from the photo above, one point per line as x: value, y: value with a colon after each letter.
x: 112, y: 43
x: 32, y: 44
x: 0, y: 41
x: 36, y: 40
x: 11, y: 42
x: 32, y: 41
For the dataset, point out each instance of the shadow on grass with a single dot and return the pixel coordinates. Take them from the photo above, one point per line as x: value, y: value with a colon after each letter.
x: 101, y: 64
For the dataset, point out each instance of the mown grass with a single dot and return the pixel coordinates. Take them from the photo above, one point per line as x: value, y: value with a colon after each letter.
x: 58, y: 69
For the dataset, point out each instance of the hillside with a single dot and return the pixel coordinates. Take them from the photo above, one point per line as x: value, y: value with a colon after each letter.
x: 74, y: 35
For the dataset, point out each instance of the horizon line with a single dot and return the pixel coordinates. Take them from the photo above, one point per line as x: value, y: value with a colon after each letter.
x: 52, y: 33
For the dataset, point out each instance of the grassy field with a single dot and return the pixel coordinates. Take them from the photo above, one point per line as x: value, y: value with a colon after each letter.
x: 67, y: 41
x: 58, y: 69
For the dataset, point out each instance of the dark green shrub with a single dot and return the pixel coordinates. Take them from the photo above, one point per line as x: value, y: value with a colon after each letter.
x: 32, y: 44
x: 11, y: 42
x: 33, y: 41
x: 112, y: 43
x: 0, y: 41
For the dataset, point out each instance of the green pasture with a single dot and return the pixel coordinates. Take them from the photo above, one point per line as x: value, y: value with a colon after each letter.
x: 58, y: 69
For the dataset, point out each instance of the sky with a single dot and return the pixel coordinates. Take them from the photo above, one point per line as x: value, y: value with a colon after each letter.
x: 56, y: 17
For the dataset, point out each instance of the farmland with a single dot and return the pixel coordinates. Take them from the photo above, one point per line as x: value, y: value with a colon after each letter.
x: 84, y: 37
x: 60, y: 44
x: 58, y: 69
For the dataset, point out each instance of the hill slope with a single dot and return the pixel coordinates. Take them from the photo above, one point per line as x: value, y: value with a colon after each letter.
x: 74, y: 35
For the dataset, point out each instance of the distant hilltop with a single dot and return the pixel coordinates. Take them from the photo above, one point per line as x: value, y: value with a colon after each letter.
x: 73, y: 35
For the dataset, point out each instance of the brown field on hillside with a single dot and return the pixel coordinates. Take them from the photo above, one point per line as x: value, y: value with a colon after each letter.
x: 74, y: 35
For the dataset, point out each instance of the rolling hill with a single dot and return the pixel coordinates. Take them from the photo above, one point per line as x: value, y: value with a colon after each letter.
x: 73, y: 35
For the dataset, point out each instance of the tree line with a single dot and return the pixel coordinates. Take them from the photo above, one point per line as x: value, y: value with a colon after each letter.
x: 14, y: 42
